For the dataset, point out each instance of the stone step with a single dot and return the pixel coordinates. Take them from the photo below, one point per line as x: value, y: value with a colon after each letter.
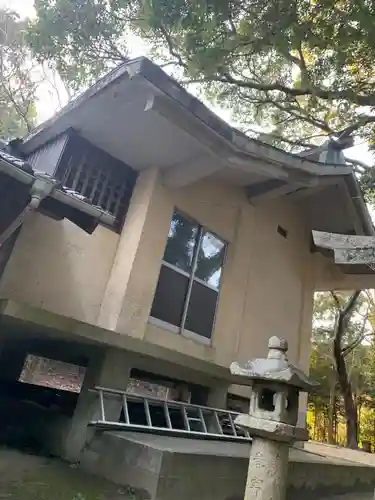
x: 171, y: 468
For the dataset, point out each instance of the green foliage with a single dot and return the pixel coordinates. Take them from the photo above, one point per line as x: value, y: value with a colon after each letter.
x: 360, y: 363
x: 83, y: 38
x: 302, y: 68
x: 17, y: 89
x: 12, y: 124
x: 367, y: 183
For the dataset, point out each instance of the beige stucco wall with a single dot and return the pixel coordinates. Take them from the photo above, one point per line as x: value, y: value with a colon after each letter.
x: 328, y: 276
x: 110, y: 280
x: 60, y: 268
x: 267, y: 284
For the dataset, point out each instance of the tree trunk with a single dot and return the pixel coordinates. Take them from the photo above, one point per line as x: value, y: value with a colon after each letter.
x: 342, y: 373
x: 331, y: 415
x: 347, y: 394
x: 349, y: 405
x: 359, y: 408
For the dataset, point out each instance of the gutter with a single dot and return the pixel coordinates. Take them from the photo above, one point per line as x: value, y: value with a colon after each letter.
x: 39, y: 190
x: 43, y: 186
x: 360, y: 204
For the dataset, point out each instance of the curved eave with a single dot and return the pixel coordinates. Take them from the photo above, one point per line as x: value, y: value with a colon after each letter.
x: 148, y: 119
x: 174, y: 102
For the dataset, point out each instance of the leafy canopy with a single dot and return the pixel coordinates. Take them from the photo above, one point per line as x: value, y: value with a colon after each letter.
x: 357, y: 345
x: 83, y: 38
x: 302, y: 67
x: 17, y: 89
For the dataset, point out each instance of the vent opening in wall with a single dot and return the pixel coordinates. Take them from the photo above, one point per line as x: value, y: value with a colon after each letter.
x: 283, y: 232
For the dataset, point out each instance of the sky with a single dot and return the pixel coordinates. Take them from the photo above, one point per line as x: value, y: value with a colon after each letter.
x: 48, y: 101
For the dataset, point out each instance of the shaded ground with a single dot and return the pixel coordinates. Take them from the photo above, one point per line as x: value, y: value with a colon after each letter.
x: 29, y: 477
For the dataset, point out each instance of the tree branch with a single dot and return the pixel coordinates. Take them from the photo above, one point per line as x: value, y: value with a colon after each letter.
x: 171, y: 47
x: 349, y: 306
x: 303, y: 116
x: 325, y: 94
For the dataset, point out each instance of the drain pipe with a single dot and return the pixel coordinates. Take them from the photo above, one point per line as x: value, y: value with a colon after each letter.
x: 40, y: 188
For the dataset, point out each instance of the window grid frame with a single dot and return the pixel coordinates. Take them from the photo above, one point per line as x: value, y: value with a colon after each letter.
x: 104, y: 180
x: 202, y: 230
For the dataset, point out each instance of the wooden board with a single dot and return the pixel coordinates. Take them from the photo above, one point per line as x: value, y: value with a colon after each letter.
x: 348, y: 249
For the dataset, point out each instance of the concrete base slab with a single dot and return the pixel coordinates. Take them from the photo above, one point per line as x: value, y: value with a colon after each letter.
x: 170, y: 468
x: 334, y: 451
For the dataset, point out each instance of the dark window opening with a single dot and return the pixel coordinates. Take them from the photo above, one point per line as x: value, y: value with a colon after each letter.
x: 266, y: 401
x: 165, y: 389
x: 238, y: 404
x: 149, y: 384
x: 104, y: 181
x: 189, y: 282
x: 42, y: 396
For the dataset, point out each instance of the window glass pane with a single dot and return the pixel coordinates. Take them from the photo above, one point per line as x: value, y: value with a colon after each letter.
x: 170, y: 296
x: 210, y: 259
x: 182, y: 240
x: 201, y: 310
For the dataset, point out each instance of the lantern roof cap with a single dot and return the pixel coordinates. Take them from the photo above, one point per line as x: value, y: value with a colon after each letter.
x: 274, y: 368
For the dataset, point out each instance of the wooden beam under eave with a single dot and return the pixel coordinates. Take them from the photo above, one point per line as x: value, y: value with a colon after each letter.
x: 198, y: 168
x: 322, y: 184
x: 268, y: 190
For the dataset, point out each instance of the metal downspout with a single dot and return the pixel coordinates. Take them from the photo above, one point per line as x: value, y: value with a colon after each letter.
x: 38, y: 191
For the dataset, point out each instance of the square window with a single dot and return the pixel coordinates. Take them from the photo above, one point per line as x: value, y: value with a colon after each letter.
x: 188, y: 288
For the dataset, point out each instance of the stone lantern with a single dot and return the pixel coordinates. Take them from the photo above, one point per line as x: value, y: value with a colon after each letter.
x: 272, y: 418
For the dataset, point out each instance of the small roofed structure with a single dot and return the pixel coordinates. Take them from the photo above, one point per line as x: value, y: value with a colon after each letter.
x: 276, y: 385
x: 272, y: 418
x: 274, y: 368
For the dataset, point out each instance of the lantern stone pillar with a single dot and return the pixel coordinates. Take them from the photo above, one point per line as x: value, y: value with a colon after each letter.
x: 272, y: 418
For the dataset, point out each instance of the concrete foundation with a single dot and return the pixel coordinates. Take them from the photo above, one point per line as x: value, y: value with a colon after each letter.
x: 170, y: 468
x: 217, y: 397
x: 112, y: 369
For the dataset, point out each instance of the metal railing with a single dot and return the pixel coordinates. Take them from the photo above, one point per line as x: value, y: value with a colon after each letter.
x: 158, y: 416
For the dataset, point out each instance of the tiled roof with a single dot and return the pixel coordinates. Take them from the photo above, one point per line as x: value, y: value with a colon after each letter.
x: 69, y: 203
x: 26, y: 167
x: 16, y: 162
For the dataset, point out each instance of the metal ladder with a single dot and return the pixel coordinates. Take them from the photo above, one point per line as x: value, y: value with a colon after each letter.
x: 158, y: 416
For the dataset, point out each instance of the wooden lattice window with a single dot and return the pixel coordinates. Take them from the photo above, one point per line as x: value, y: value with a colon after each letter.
x: 105, y: 181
